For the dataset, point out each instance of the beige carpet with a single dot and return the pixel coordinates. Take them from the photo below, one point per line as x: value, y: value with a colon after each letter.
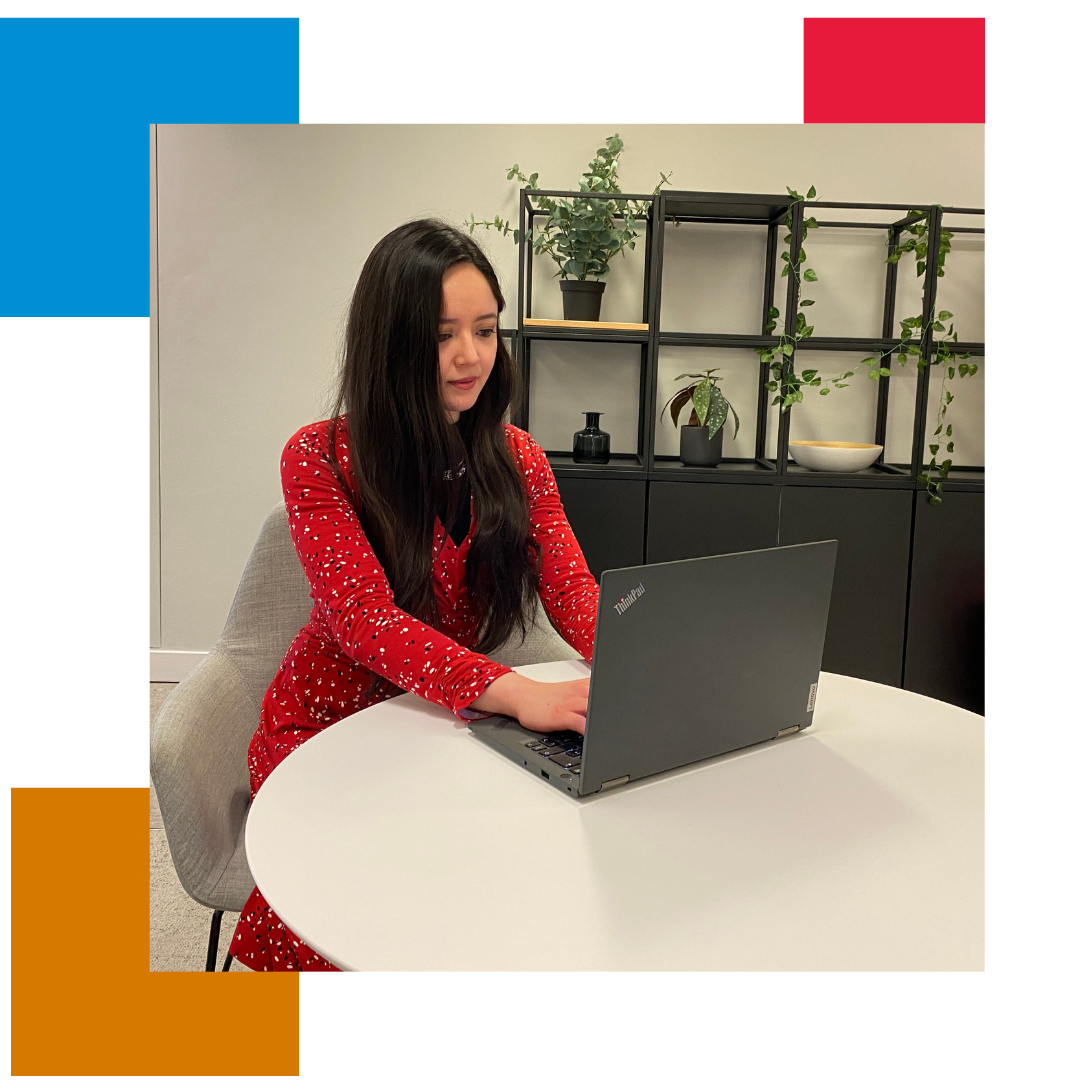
x: 179, y: 927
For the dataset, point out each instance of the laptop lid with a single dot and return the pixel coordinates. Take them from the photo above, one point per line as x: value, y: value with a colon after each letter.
x: 698, y: 657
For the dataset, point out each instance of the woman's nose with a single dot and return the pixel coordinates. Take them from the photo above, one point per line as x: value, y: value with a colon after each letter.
x: 467, y: 353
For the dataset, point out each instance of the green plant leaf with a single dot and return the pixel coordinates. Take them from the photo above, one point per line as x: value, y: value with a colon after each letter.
x: 949, y: 448
x: 823, y: 391
x: 945, y: 315
x: 718, y: 410
x: 805, y: 303
x: 810, y: 275
x: 884, y: 372
x: 774, y: 313
x: 934, y: 447
x: 787, y: 350
x: 812, y: 192
x: 701, y: 401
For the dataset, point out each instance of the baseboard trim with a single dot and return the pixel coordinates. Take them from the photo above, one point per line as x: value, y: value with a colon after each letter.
x: 171, y: 665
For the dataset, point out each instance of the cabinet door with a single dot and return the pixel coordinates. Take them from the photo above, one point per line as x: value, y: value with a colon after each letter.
x: 608, y: 519
x: 688, y: 520
x: 945, y: 649
x: 869, y: 598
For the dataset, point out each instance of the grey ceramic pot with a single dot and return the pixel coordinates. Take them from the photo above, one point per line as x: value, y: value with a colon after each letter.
x: 696, y: 448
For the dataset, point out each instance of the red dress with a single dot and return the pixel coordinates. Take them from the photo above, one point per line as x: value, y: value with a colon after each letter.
x: 356, y: 630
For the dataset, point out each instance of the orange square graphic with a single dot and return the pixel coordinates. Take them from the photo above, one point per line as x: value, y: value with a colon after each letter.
x: 83, y: 998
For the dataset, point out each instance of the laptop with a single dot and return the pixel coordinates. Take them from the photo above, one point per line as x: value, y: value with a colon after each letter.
x: 692, y: 659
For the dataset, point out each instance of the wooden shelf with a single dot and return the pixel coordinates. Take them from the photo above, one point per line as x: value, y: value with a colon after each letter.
x: 584, y: 324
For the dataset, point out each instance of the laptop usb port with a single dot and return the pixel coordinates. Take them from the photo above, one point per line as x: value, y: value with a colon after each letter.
x: 544, y: 775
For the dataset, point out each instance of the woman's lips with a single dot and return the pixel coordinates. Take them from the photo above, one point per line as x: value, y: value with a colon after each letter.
x: 463, y: 384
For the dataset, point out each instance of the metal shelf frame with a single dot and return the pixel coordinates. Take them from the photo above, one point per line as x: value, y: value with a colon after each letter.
x: 768, y: 212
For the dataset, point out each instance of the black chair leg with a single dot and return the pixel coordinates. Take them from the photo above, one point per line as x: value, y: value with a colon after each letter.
x: 212, y: 945
x: 228, y: 962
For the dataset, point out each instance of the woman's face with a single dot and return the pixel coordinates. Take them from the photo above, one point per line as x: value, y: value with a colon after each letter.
x: 468, y: 337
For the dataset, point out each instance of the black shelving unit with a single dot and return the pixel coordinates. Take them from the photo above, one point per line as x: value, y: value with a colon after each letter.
x: 888, y: 545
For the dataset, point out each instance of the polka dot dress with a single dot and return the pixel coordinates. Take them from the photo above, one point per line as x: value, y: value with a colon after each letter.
x: 356, y: 632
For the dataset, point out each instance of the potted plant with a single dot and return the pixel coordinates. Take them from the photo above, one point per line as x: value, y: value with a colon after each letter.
x: 701, y: 441
x: 581, y: 235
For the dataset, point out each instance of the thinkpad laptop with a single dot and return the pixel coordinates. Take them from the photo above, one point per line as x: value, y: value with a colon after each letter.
x: 692, y: 659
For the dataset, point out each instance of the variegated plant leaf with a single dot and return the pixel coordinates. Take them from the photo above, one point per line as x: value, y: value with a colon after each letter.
x: 702, y: 397
x: 718, y: 410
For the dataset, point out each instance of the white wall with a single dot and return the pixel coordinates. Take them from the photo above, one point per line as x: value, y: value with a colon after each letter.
x: 262, y: 231
x: 155, y: 505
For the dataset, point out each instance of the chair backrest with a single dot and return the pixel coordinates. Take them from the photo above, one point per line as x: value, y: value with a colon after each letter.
x: 199, y: 740
x: 272, y: 603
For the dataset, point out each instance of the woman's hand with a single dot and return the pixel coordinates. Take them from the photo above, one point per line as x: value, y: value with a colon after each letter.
x: 538, y: 706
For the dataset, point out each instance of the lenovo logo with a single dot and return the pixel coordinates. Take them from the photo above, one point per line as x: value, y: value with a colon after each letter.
x: 629, y: 598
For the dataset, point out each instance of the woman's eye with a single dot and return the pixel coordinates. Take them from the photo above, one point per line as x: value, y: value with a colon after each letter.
x: 487, y: 332
x: 444, y: 337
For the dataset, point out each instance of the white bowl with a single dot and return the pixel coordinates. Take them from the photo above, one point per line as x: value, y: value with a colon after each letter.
x: 834, y: 456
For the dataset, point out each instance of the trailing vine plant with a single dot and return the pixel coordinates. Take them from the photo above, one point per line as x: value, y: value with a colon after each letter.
x: 912, y: 332
x: 786, y: 383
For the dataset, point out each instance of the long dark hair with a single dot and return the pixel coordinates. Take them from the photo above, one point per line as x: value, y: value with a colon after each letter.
x: 402, y: 443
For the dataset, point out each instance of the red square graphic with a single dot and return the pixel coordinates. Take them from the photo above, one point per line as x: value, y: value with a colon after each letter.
x: 893, y: 71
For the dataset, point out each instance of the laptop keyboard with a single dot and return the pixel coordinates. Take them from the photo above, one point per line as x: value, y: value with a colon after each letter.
x: 562, y: 748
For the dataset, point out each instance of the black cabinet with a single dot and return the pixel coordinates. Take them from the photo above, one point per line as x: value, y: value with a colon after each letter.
x: 689, y: 520
x: 945, y: 617
x: 873, y: 530
x: 608, y: 519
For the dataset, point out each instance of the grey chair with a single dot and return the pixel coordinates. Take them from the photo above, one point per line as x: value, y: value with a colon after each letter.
x: 200, y: 737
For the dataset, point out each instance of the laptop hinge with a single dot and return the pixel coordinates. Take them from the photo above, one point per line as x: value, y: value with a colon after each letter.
x: 787, y: 731
x: 614, y: 783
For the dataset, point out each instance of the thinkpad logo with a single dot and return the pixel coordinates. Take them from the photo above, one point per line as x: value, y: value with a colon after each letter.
x: 629, y: 598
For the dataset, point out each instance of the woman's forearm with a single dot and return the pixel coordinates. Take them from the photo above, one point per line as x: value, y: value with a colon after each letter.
x: 505, y: 695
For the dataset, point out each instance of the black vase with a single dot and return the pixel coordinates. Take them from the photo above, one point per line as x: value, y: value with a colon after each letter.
x: 581, y: 299
x: 591, y: 445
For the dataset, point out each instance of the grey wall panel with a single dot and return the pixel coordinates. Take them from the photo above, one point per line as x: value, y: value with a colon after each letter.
x: 155, y: 489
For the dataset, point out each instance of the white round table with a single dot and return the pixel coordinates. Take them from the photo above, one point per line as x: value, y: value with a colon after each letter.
x: 395, y: 840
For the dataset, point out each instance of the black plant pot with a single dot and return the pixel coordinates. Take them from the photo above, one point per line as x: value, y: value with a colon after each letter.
x: 696, y: 448
x: 591, y: 445
x: 581, y: 299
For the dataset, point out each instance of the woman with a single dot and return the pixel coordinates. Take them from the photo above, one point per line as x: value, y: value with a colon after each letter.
x: 427, y: 527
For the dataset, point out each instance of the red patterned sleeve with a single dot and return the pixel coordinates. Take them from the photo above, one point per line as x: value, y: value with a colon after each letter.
x: 349, y: 583
x: 568, y: 590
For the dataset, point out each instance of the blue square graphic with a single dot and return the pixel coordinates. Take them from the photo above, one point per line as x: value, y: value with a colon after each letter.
x: 79, y: 96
